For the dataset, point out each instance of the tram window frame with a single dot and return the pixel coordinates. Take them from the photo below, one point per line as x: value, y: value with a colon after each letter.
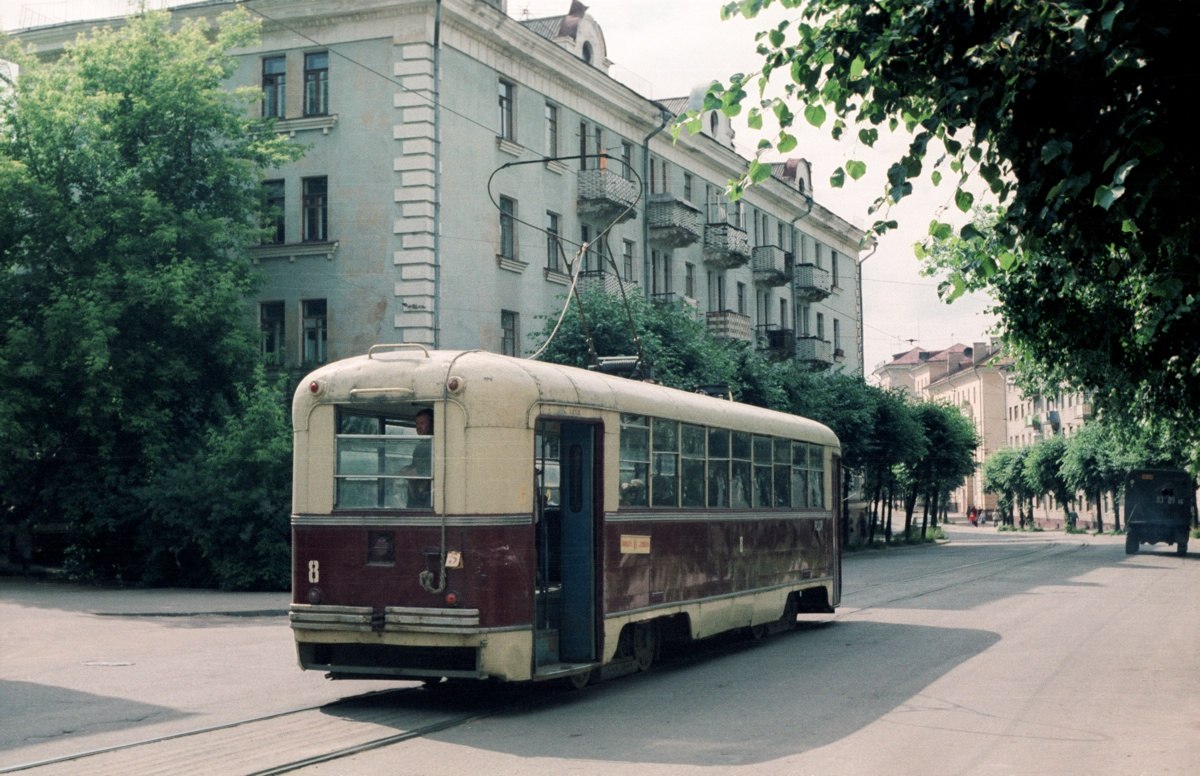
x: 718, y: 467
x: 693, y: 447
x: 394, y: 441
x: 764, y: 461
x: 800, y: 453
x: 741, y: 470
x: 782, y: 472
x: 664, y: 463
x: 635, y: 460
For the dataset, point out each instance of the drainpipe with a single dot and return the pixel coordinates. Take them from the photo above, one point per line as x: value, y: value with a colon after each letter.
x: 862, y: 344
x: 665, y: 116
x: 437, y: 174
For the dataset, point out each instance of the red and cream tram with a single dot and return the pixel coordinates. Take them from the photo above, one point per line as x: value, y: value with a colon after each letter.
x: 557, y: 522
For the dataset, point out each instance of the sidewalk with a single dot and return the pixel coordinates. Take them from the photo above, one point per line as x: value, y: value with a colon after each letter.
x: 134, y: 602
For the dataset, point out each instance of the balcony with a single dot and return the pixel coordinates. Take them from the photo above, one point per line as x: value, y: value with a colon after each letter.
x: 776, y: 342
x: 601, y: 280
x: 725, y: 246
x: 814, y: 351
x: 812, y: 283
x: 606, y: 196
x: 672, y: 299
x: 673, y: 222
x: 772, y: 265
x: 729, y: 325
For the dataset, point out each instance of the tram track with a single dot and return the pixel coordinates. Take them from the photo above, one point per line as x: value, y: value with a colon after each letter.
x: 999, y: 564
x: 287, y: 741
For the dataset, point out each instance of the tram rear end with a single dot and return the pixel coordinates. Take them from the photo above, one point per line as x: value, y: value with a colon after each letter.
x: 394, y: 576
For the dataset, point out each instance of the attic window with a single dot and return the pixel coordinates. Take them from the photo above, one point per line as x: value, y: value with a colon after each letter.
x: 587, y: 51
x: 712, y: 123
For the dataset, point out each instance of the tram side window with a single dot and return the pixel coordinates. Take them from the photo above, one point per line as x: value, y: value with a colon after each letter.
x: 718, y: 467
x: 693, y: 449
x: 783, y: 473
x: 799, y: 474
x: 740, y: 469
x: 763, y: 460
x: 381, y: 463
x: 635, y: 460
x: 816, y: 477
x: 664, y: 479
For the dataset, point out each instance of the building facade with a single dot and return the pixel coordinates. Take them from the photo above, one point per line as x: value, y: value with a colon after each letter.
x: 457, y: 161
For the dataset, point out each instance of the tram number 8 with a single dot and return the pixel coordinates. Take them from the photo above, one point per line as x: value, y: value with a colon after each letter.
x: 314, y: 571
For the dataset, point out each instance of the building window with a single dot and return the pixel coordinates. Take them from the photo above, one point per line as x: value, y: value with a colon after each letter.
x: 316, y: 84
x: 689, y: 280
x: 687, y: 187
x: 510, y: 330
x: 583, y: 146
x: 627, y: 258
x: 508, y: 228
x: 626, y: 160
x: 315, y: 328
x: 837, y: 335
x: 833, y: 267
x: 275, y: 206
x: 551, y: 130
x: 741, y: 298
x: 553, y: 242
x: 270, y: 323
x: 820, y: 326
x: 587, y: 52
x: 315, y: 227
x: 274, y: 86
x: 507, y: 129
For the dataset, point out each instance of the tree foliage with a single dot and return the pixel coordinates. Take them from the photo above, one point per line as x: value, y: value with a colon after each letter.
x: 129, y: 192
x: 1075, y: 115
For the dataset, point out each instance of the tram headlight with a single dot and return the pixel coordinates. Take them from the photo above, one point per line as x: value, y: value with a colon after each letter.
x: 454, y: 384
x: 451, y: 598
x: 315, y: 595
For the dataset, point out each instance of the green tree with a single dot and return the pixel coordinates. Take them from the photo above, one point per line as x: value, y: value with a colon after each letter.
x: 1092, y: 465
x: 949, y: 458
x: 1043, y: 473
x: 1075, y: 115
x: 999, y: 477
x: 130, y: 187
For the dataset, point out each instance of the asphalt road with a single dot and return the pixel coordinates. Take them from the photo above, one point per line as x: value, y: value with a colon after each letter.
x: 994, y: 653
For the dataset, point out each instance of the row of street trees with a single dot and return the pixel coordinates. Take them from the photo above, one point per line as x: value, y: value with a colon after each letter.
x: 916, y: 454
x: 136, y: 425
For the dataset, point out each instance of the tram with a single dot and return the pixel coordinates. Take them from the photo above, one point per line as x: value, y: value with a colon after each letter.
x: 556, y: 523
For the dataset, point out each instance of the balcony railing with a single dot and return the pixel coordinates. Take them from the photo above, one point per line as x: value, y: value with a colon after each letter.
x: 772, y: 265
x: 673, y: 222
x: 606, y: 195
x: 814, y: 351
x: 601, y: 280
x: 726, y: 324
x: 812, y: 283
x: 725, y: 246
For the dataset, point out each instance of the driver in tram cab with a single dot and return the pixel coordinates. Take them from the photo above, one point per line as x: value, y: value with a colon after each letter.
x: 420, y: 466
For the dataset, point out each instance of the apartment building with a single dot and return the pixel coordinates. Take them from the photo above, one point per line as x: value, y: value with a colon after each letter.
x: 457, y: 160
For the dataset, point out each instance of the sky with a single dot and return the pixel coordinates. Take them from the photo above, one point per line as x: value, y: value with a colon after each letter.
x: 665, y: 48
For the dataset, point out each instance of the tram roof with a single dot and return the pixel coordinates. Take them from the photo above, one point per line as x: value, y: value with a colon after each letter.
x: 538, y: 388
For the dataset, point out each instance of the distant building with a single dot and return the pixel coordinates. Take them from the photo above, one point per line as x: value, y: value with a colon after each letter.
x: 457, y: 158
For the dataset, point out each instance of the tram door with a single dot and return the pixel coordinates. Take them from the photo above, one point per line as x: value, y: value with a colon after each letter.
x: 565, y: 588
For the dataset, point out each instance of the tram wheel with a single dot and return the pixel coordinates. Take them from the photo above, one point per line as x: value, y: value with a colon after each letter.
x: 581, y: 680
x: 645, y: 644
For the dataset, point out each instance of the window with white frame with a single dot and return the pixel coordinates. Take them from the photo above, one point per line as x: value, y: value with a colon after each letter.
x: 507, y: 102
x: 274, y: 221
x: 316, y: 83
x: 314, y: 329
x: 315, y: 207
x: 274, y: 87
x: 270, y: 323
x: 553, y: 242
x: 551, y: 130
x: 510, y: 331
x: 508, y: 228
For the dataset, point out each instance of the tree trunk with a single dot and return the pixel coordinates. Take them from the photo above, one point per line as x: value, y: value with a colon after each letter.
x: 1099, y: 511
